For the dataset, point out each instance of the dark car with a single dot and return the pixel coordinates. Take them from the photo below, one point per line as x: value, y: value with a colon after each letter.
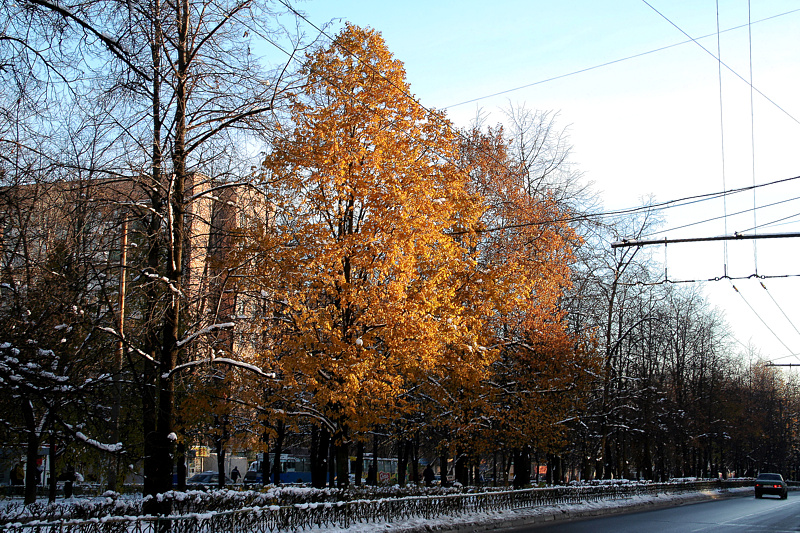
x: 251, y: 476
x: 203, y: 480
x: 771, y: 484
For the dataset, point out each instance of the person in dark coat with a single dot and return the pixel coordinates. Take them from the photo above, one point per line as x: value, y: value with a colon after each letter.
x: 235, y: 475
x: 428, y: 476
x: 372, y: 476
x: 18, y: 475
x: 69, y: 478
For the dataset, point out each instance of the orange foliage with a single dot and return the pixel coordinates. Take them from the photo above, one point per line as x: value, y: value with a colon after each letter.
x: 524, y: 259
x: 408, y: 267
x: 362, y: 262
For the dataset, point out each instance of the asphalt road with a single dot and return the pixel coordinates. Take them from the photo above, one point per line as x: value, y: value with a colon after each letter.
x: 769, y: 514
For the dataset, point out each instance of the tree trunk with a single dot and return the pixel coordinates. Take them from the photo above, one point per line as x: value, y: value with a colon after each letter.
x: 266, y: 471
x: 415, y: 459
x: 31, y: 452
x: 647, y: 459
x: 522, y: 467
x: 461, y: 467
x: 375, y: 443
x: 443, y: 459
x: 119, y: 353
x: 276, y: 462
x: 342, y: 461
x: 319, y: 454
x: 219, y: 443
x: 331, y: 463
x: 220, y: 449
x: 180, y: 460
x: 359, y: 463
x: 175, y: 202
x: 264, y: 464
x: 402, y: 461
x: 151, y: 342
x: 559, y: 469
x: 51, y: 493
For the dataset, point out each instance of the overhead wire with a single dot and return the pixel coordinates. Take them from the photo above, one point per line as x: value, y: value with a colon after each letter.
x: 785, y: 221
x: 763, y: 321
x: 789, y: 320
x: 722, y: 144
x: 752, y: 89
x: 664, y: 205
x: 752, y: 132
x: 612, y: 62
x: 645, y: 208
x: 774, y: 222
x: 706, y: 50
x: 689, y: 281
x: 772, y: 361
x: 661, y: 206
x: 704, y: 221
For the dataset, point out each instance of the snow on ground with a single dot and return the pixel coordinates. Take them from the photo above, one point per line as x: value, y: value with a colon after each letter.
x: 514, y: 517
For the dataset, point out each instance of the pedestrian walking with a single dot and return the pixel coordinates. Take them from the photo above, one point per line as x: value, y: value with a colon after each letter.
x: 235, y: 475
x: 428, y: 476
x: 18, y: 475
x: 69, y: 478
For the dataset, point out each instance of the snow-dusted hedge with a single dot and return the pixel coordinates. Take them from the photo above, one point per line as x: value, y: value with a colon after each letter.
x: 202, y: 501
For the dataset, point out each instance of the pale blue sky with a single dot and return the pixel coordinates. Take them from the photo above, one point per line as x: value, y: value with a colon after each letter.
x: 649, y: 125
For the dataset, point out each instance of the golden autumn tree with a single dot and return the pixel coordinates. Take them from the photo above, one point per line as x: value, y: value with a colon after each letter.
x: 525, y: 253
x: 365, y: 250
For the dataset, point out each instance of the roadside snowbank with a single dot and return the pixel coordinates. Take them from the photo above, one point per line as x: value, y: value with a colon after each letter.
x: 518, y: 517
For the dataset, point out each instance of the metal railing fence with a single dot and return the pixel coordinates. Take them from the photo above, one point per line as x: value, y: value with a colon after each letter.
x: 298, y: 517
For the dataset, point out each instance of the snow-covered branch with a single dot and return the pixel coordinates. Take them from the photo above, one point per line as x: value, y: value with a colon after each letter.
x: 225, y: 361
x: 110, y: 448
x: 129, y: 346
x: 310, y: 413
x: 166, y: 280
x: 209, y: 329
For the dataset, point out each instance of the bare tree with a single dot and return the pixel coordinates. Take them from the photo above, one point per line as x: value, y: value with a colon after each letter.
x: 181, y: 105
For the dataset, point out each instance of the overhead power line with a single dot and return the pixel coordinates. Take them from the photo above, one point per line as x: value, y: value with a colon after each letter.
x: 660, y: 206
x: 625, y: 243
x: 722, y: 142
x: 762, y: 320
x: 652, y: 207
x: 752, y: 129
x: 612, y: 62
x: 712, y: 219
x: 782, y: 221
x: 716, y: 58
x: 789, y: 320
